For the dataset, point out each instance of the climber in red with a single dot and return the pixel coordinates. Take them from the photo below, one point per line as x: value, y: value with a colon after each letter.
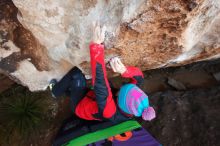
x: 100, y: 103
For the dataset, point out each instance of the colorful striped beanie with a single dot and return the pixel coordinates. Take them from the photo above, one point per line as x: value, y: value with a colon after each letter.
x: 132, y: 100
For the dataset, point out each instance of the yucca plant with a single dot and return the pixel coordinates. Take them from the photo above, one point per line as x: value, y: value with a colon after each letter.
x: 22, y: 114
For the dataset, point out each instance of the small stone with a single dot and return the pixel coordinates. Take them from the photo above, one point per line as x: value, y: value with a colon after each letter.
x: 176, y: 84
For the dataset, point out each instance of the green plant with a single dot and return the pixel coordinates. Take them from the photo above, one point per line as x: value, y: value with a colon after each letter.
x: 22, y: 114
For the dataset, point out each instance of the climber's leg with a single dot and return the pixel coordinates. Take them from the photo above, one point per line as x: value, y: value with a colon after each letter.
x: 77, y: 89
x: 64, y: 84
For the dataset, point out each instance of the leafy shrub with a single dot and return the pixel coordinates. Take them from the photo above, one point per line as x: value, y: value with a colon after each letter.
x: 22, y: 115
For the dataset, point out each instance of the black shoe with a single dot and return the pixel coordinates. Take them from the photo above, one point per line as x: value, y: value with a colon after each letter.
x: 51, y: 85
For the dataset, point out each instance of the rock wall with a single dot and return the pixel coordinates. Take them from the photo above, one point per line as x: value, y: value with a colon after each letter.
x: 43, y: 39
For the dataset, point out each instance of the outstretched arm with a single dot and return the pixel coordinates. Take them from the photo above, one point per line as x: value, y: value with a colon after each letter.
x: 105, y: 102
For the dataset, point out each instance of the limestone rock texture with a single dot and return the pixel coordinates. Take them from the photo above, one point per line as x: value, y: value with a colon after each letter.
x: 43, y: 39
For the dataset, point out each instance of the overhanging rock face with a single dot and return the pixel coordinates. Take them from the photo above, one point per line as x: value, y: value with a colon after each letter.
x: 43, y: 39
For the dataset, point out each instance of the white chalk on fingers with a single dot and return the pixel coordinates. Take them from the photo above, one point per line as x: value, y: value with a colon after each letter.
x: 118, y: 61
x: 112, y: 66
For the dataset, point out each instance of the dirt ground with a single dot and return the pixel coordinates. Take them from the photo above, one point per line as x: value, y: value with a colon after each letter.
x: 187, y: 117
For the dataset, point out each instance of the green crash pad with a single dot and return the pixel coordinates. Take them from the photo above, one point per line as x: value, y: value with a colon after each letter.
x: 104, y: 133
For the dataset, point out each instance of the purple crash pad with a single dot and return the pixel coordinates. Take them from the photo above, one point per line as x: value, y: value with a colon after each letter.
x: 140, y: 137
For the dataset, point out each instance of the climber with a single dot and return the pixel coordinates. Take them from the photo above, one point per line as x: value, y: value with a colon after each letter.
x: 100, y: 103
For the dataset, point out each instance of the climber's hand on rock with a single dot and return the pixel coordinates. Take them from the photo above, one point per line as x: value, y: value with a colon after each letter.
x: 117, y: 65
x: 98, y: 33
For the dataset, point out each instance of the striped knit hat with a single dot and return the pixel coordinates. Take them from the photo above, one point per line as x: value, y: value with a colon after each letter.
x: 132, y: 100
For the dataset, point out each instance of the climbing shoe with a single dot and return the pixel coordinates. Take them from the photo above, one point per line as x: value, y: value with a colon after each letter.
x: 51, y: 85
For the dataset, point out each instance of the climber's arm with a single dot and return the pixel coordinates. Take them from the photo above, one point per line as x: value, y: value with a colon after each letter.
x: 105, y: 102
x: 134, y: 73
